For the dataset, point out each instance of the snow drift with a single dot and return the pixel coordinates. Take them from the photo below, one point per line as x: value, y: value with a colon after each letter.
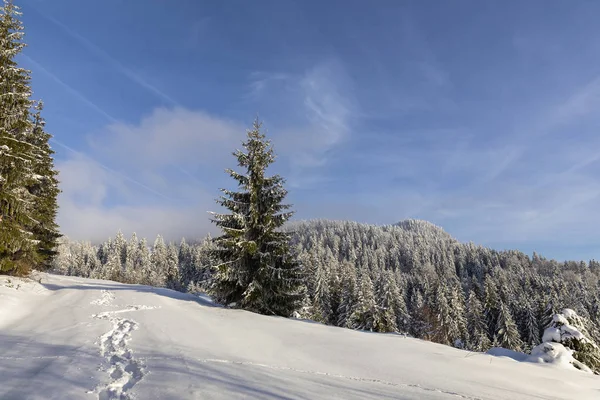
x: 77, y: 338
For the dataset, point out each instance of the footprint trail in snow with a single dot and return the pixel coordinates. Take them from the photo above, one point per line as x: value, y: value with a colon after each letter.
x: 124, y: 370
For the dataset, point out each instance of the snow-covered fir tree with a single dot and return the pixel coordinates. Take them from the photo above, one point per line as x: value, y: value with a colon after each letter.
x: 172, y: 280
x: 44, y: 187
x: 348, y: 298
x: 258, y: 270
x: 364, y: 314
x: 159, y: 263
x: 28, y: 179
x: 387, y: 296
x: 187, y: 272
x: 476, y: 324
x: 321, y: 304
x: 507, y: 334
x: 445, y: 329
x: 569, y: 331
x: 528, y: 323
x: 17, y: 242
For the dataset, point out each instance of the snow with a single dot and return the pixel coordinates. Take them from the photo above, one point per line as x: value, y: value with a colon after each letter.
x: 556, y: 354
x: 75, y: 338
x: 562, y: 329
x: 551, y: 335
x: 569, y: 313
x: 502, y: 352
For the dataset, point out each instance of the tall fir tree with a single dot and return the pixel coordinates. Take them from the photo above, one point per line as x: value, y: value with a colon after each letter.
x: 491, y: 305
x: 187, y: 269
x: 386, y: 296
x: 143, y: 262
x: 476, y: 325
x: 159, y: 262
x: 28, y: 183
x: 258, y: 270
x: 457, y: 312
x: 528, y: 324
x: 131, y: 254
x: 44, y: 187
x: 172, y: 278
x: 365, y: 310
x: 507, y: 334
x: 445, y: 328
x: 321, y: 305
x: 17, y: 243
x: 348, y: 300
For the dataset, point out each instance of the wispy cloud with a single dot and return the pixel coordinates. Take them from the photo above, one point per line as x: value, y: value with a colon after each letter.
x: 117, y: 65
x: 82, y: 156
x: 318, y: 115
x: 69, y: 88
x: 583, y: 101
x: 260, y: 82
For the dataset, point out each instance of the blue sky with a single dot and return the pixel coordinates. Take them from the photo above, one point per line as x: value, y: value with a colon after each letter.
x: 480, y: 117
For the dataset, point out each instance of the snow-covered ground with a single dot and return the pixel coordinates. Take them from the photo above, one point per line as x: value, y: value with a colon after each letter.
x: 73, y: 338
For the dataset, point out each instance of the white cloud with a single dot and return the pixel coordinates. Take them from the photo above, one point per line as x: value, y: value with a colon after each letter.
x: 95, y: 203
x: 169, y: 136
x: 144, y: 177
x: 585, y: 100
x: 161, y: 175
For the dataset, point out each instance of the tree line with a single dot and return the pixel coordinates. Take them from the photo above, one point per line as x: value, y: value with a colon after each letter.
x: 411, y: 278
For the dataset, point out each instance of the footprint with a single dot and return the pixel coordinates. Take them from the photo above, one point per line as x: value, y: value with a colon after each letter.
x: 124, y: 370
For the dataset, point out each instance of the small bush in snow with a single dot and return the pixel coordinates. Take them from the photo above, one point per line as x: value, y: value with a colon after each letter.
x: 566, y: 341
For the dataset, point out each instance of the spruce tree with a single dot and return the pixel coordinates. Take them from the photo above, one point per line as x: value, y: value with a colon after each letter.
x: 491, y: 305
x: 348, y: 300
x: 476, y: 325
x: 44, y: 187
x: 158, y: 262
x: 258, y: 270
x: 131, y: 254
x: 365, y: 310
x: 530, y: 331
x: 445, y: 330
x: 386, y: 296
x: 17, y: 242
x: 507, y: 333
x: 459, y: 322
x: 187, y: 269
x: 400, y: 309
x: 321, y: 305
x: 172, y: 277
x: 143, y: 262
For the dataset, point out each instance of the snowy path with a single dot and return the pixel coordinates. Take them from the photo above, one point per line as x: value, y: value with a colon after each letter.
x: 124, y: 370
x: 85, y: 339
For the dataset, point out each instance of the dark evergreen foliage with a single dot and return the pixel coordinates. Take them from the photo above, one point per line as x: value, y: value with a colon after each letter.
x: 28, y: 184
x: 258, y: 270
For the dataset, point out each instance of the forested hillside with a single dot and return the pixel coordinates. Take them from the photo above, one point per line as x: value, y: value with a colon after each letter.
x: 412, y: 277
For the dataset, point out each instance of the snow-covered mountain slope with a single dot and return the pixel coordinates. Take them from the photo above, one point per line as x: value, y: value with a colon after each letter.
x: 74, y: 338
